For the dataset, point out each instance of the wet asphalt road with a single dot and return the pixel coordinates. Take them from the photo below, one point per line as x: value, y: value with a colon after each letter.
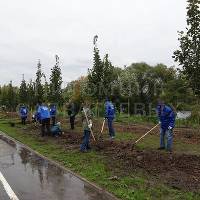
x: 34, y: 178
x: 3, y: 194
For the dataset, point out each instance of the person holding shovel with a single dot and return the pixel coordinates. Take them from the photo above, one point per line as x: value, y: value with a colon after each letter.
x: 87, y: 116
x: 166, y: 116
x: 110, y: 115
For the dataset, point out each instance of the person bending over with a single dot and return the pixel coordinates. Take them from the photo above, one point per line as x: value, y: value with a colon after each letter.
x: 44, y: 113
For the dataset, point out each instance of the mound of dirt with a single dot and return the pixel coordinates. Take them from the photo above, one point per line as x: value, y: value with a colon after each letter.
x: 179, y: 171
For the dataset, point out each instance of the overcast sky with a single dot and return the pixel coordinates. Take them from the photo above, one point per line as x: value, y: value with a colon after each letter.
x: 129, y: 30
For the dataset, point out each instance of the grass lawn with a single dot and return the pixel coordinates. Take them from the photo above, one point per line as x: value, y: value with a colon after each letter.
x: 93, y: 166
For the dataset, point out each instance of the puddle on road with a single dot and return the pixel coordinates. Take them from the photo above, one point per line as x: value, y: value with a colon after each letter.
x: 34, y: 178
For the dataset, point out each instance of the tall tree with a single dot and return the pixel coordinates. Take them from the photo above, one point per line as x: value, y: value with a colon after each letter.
x: 31, y: 94
x: 23, y: 93
x: 188, y: 55
x: 12, y: 97
x: 46, y: 90
x: 100, y: 76
x: 95, y: 76
x: 39, y: 89
x: 109, y: 76
x: 55, y: 93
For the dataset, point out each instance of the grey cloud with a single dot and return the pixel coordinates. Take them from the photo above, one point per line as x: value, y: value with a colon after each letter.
x: 130, y: 31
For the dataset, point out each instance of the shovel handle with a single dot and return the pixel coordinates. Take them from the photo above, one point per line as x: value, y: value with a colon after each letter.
x: 146, y: 134
x: 103, y: 126
x: 88, y: 124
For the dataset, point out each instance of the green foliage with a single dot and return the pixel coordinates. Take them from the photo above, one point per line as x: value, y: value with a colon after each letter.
x: 109, y: 76
x: 95, y: 76
x: 55, y: 90
x: 39, y: 88
x: 101, y: 76
x: 9, y: 97
x: 23, y: 92
x: 188, y: 56
x: 137, y: 83
x: 31, y: 94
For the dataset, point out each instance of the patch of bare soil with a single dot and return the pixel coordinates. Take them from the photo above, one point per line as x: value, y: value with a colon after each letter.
x: 188, y: 135
x: 179, y: 171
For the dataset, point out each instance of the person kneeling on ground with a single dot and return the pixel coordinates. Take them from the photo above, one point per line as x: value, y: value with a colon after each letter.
x: 166, y: 116
x: 87, y: 125
x: 23, y: 114
x: 56, y: 130
x: 43, y: 112
x: 110, y: 115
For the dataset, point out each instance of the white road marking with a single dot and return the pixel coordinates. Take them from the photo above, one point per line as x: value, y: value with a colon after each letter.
x: 7, y: 187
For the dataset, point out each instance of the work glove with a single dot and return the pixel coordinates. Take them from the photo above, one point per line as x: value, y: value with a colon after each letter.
x: 90, y: 124
x: 170, y: 128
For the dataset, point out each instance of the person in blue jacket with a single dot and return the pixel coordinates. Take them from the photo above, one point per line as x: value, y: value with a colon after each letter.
x: 23, y: 114
x: 36, y: 117
x: 53, y: 112
x: 166, y: 116
x: 44, y: 116
x: 110, y: 115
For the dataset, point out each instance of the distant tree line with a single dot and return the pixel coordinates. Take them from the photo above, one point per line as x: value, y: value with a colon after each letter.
x: 34, y: 91
x: 137, y: 83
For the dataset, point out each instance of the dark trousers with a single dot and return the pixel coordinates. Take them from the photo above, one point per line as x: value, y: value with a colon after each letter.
x: 72, y: 120
x: 110, y: 127
x: 53, y: 119
x: 23, y: 120
x: 86, y: 141
x: 45, y: 125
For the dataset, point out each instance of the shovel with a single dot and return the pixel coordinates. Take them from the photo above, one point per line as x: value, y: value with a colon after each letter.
x: 146, y: 134
x: 102, y: 128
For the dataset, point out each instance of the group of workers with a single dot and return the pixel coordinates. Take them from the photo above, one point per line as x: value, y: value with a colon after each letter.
x: 46, y: 115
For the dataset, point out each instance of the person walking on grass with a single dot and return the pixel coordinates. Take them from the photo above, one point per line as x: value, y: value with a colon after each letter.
x: 72, y: 114
x: 87, y: 116
x: 44, y: 113
x: 23, y: 114
x: 110, y: 116
x: 166, y: 116
x: 53, y: 112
